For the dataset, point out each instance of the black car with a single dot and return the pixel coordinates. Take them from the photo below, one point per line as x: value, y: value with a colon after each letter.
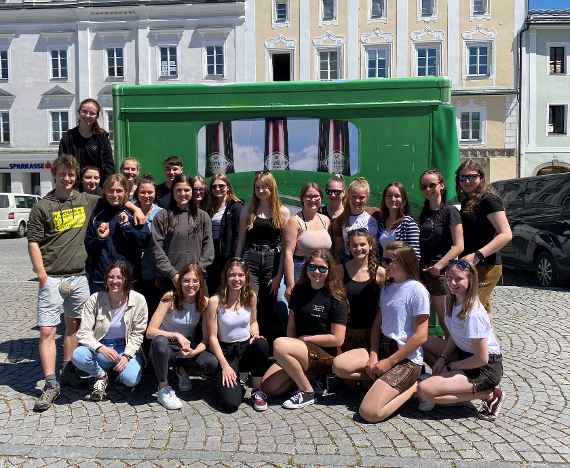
x: 538, y: 209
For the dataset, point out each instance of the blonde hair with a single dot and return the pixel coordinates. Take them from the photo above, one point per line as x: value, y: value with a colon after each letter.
x: 471, y: 295
x: 357, y: 183
x: 122, y: 181
x: 266, y: 178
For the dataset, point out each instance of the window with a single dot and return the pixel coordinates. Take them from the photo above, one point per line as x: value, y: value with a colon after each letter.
x: 557, y: 120
x: 168, y: 62
x: 3, y: 64
x: 378, y: 9
x: 59, y: 125
x: 110, y: 129
x: 480, y: 7
x: 478, y: 60
x: 428, y: 61
x: 4, y: 127
x: 115, y: 68
x: 427, y: 8
x: 215, y: 60
x: 59, y: 64
x: 557, y: 60
x: 470, y: 126
x: 377, y: 59
x: 281, y: 14
x: 329, y: 10
x: 328, y: 65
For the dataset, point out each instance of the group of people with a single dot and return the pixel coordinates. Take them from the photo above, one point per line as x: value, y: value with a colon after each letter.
x: 187, y: 278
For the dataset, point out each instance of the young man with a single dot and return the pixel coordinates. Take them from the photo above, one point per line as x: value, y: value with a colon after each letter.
x: 56, y: 235
x: 173, y: 166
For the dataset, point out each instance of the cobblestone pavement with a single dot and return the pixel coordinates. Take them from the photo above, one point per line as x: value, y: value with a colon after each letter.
x: 132, y: 429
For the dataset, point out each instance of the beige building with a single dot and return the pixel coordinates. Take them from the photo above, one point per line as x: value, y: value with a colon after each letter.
x: 473, y: 42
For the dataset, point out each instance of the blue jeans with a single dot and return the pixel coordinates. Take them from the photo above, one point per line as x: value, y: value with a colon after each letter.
x: 92, y: 362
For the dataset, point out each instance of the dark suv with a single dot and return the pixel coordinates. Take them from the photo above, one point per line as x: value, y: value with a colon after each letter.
x: 538, y: 209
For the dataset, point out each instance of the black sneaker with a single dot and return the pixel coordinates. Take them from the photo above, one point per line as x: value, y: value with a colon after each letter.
x: 99, y: 389
x: 50, y: 393
x: 299, y: 399
x: 70, y: 378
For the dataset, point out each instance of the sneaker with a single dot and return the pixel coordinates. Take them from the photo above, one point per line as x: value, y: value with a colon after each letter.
x: 259, y: 400
x: 69, y: 377
x: 99, y: 389
x: 167, y: 398
x: 299, y: 399
x: 184, y: 382
x: 426, y: 405
x: 491, y: 408
x: 46, y: 399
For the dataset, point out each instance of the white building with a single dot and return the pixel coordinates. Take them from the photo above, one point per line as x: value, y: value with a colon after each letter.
x: 53, y: 54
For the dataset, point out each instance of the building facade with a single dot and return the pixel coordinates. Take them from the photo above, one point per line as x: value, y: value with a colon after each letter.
x: 53, y: 54
x: 545, y: 93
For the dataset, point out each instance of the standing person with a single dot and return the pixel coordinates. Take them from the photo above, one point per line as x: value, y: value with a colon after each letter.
x: 90, y: 178
x: 172, y: 166
x: 395, y: 222
x: 485, y: 226
x: 181, y: 234
x: 88, y: 142
x: 113, y: 323
x: 200, y: 192
x: 224, y: 208
x: 335, y: 194
x: 56, y: 234
x: 180, y: 336
x: 262, y: 222
x: 441, y: 237
x: 356, y: 215
x: 112, y: 234
x: 305, y: 232
x: 234, y: 334
x: 316, y: 329
x: 395, y: 359
x: 468, y: 365
x: 130, y: 168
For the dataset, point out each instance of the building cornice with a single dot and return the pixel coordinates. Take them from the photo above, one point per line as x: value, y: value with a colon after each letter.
x: 484, y: 92
x: 26, y: 5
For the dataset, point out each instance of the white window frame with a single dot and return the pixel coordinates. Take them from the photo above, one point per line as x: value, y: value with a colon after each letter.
x: 379, y: 19
x: 490, y: 60
x: 388, y: 49
x: 59, y: 78
x: 8, y: 67
x: 281, y: 24
x: 566, y: 46
x: 109, y: 122
x: 208, y: 76
x: 471, y: 108
x: 168, y: 77
x: 50, y: 130
x: 433, y: 16
x: 322, y: 12
x: 557, y: 135
x: 2, y: 141
x: 339, y: 59
x: 115, y: 77
x: 474, y: 16
x: 470, y: 115
x: 428, y: 45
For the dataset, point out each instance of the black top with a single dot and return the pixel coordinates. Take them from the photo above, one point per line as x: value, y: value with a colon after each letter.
x: 363, y: 300
x: 435, y: 233
x: 315, y: 310
x: 263, y: 233
x: 163, y: 195
x: 477, y: 229
x: 229, y: 229
x: 93, y: 151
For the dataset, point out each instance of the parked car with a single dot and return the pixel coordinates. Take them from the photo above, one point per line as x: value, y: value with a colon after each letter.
x: 14, y: 212
x: 538, y: 209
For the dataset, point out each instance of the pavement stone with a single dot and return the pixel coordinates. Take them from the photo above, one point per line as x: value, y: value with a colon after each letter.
x: 131, y: 429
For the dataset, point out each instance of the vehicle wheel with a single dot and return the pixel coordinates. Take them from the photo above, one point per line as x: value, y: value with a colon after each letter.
x: 21, y: 232
x: 546, y: 269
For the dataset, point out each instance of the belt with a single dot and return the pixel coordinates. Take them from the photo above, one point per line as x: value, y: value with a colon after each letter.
x: 299, y: 258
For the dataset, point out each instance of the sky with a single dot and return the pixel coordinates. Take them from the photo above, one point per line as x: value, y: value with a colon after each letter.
x: 546, y: 4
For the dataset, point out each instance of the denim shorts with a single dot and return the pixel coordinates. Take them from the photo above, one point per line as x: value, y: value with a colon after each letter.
x: 61, y: 295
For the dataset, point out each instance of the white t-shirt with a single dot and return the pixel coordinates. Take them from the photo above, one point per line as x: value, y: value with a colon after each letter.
x: 117, y: 330
x: 361, y: 221
x: 217, y: 222
x: 400, y: 304
x: 386, y: 237
x: 476, y: 325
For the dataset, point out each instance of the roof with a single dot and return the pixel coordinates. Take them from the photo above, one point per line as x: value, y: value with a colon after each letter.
x: 548, y: 16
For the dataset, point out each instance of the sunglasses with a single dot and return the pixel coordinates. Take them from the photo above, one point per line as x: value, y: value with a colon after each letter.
x: 459, y: 264
x: 219, y: 186
x: 469, y: 178
x: 312, y: 267
x: 387, y: 260
x: 333, y: 192
x: 430, y: 186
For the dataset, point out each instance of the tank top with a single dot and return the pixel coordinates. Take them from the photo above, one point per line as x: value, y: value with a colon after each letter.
x: 182, y: 321
x: 312, y: 239
x: 217, y: 222
x: 363, y: 299
x: 233, y: 325
x: 263, y: 233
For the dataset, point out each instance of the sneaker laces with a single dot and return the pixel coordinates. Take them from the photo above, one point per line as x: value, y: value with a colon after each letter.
x: 297, y: 397
x: 100, y: 385
x: 260, y: 394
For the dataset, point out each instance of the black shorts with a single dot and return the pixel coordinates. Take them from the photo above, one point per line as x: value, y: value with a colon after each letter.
x: 486, y: 377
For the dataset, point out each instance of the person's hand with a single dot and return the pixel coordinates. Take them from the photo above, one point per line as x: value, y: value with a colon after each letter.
x: 371, y: 367
x: 183, y: 342
x: 123, y: 217
x: 123, y: 361
x: 288, y: 291
x: 109, y: 353
x: 471, y: 259
x: 433, y: 270
x: 229, y: 377
x: 42, y: 278
x: 139, y: 216
x: 382, y: 366
x: 187, y: 353
x: 255, y: 337
x: 103, y: 230
x: 274, y: 284
x: 438, y: 366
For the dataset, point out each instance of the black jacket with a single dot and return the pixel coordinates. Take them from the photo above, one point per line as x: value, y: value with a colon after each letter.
x: 229, y: 230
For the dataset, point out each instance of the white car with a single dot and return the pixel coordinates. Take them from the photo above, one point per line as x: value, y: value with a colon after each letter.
x: 14, y: 212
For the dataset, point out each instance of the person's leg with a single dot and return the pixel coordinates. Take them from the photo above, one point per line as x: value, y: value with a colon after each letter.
x: 266, y: 300
x: 86, y: 360
x: 230, y: 396
x: 74, y: 291
x: 293, y: 357
x: 382, y: 400
x: 276, y: 381
x: 489, y: 276
x: 49, y: 308
x: 69, y: 338
x: 130, y: 376
x: 449, y: 389
x: 255, y: 359
x: 433, y: 348
x: 205, y: 363
x: 161, y: 355
x: 351, y: 365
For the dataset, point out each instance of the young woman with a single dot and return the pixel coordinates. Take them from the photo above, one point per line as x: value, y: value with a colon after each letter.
x: 262, y: 221
x: 113, y: 323
x: 112, y: 234
x: 90, y: 178
x: 179, y: 335
x: 356, y: 215
x: 468, y: 365
x: 305, y: 232
x: 441, y: 237
x: 181, y: 234
x: 234, y: 334
x: 200, y: 191
x: 316, y: 329
x: 335, y: 194
x: 395, y: 222
x: 130, y: 168
x: 88, y: 142
x: 395, y: 359
x: 224, y: 208
x: 485, y: 226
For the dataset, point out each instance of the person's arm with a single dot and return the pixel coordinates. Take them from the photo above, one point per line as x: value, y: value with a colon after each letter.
x: 291, y: 234
x: 253, y: 325
x: 207, y: 252
x: 503, y: 233
x: 107, y: 161
x: 457, y: 244
x: 411, y: 235
x: 97, y: 236
x: 291, y: 328
x: 37, y: 262
x: 138, y: 214
x: 443, y: 358
x: 242, y: 231
x: 328, y: 340
x: 374, y: 345
x: 136, y: 333
x: 480, y: 356
x: 419, y: 337
x: 138, y: 235
x: 229, y: 377
x: 163, y: 266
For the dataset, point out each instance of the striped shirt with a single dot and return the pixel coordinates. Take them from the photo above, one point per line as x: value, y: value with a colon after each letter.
x: 407, y: 231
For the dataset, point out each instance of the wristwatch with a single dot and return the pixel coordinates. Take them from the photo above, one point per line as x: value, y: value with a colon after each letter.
x: 479, y: 256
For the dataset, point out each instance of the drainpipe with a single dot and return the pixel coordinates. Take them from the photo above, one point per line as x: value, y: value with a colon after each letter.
x: 519, y: 89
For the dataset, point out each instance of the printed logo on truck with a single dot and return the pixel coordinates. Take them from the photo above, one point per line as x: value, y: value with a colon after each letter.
x: 70, y: 218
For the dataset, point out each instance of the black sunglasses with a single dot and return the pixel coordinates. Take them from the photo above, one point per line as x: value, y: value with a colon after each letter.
x: 219, y: 186
x: 387, y: 260
x: 469, y: 178
x: 333, y: 192
x: 312, y: 267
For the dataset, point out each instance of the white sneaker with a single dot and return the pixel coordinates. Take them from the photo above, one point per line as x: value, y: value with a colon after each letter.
x: 167, y: 398
x: 184, y: 382
x: 426, y: 405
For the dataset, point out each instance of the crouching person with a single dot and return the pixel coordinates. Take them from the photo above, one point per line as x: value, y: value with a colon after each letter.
x: 179, y: 336
x: 113, y: 323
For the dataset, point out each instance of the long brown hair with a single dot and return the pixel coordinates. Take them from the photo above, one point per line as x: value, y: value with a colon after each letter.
x: 125, y: 270
x: 123, y: 182
x: 471, y: 202
x: 246, y: 293
x: 357, y: 183
x: 266, y: 178
x: 404, y: 206
x: 333, y: 281
x: 373, y: 252
x: 471, y: 295
x: 406, y: 258
x: 178, y: 299
x: 95, y: 128
x: 204, y: 205
x: 213, y: 204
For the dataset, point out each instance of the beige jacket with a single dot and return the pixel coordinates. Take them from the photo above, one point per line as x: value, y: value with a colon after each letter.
x: 96, y: 320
